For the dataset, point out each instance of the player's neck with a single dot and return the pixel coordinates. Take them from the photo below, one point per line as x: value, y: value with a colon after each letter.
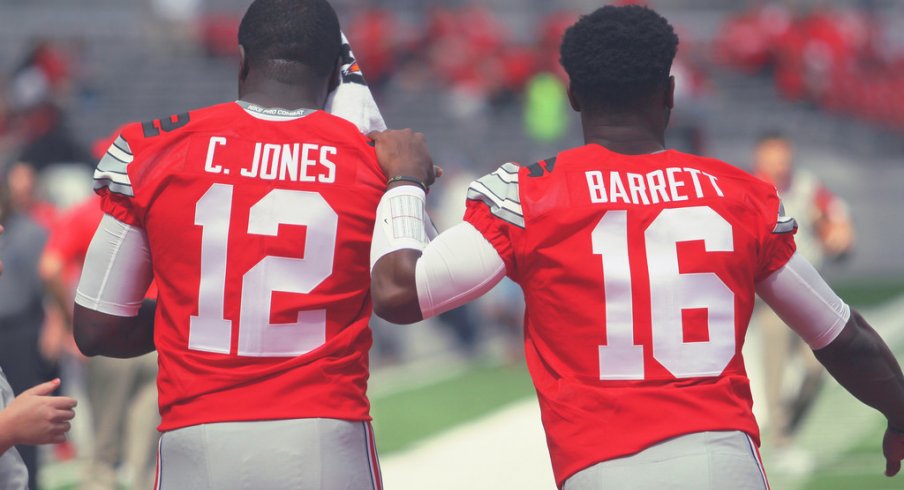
x: 272, y: 93
x: 625, y: 137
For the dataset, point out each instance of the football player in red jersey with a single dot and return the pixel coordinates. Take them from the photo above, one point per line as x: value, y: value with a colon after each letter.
x: 639, y: 267
x: 255, y: 218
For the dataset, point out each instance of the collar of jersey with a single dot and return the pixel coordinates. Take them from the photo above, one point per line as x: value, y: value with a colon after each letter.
x: 274, y: 113
x: 657, y: 152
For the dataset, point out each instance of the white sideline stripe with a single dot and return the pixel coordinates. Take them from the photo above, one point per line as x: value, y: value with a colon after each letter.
x: 836, y: 404
x: 505, y: 449
x: 390, y: 381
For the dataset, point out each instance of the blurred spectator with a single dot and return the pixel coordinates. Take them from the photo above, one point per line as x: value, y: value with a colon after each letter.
x: 378, y: 37
x: 21, y: 308
x: 21, y: 184
x: 45, y: 73
x: 122, y: 393
x: 546, y: 109
x: 503, y: 308
x: 46, y: 138
x: 685, y: 132
x: 747, y: 40
x: 38, y: 89
x: 825, y: 233
x: 177, y: 23
x: 838, y: 59
x: 218, y: 33
x: 465, y: 321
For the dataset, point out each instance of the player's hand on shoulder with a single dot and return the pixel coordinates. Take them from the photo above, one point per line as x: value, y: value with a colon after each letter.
x: 893, y: 448
x: 404, y: 152
x: 37, y: 417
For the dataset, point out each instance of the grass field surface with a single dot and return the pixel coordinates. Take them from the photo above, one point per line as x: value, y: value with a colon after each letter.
x: 461, y: 403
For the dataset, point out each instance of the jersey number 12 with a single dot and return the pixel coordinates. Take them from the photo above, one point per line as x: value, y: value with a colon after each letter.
x: 210, y: 331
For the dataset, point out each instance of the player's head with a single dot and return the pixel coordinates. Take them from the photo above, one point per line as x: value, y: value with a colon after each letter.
x: 619, y: 60
x: 293, y: 42
x: 773, y: 157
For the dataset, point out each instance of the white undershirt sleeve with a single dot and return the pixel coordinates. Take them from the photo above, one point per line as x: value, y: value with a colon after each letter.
x: 459, y: 266
x: 117, y: 269
x: 803, y: 300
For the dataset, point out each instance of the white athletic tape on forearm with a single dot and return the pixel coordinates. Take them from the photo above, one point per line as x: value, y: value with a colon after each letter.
x: 401, y: 222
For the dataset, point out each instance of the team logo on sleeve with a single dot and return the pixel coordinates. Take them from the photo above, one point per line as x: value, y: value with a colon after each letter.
x: 784, y: 224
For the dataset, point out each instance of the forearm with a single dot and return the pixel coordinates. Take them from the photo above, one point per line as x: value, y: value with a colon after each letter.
x: 6, y: 431
x: 457, y: 267
x: 393, y: 287
x: 61, y: 298
x: 97, y: 334
x: 399, y: 236
x: 138, y: 340
x: 862, y: 362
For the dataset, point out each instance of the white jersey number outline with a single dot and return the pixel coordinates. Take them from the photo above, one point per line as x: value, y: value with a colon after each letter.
x: 210, y: 331
x: 670, y: 292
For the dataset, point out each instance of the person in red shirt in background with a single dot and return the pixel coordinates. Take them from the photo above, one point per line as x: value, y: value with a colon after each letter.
x: 22, y: 181
x: 122, y: 394
x: 825, y: 234
x: 639, y: 266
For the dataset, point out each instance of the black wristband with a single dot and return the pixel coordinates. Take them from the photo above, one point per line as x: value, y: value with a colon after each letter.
x: 407, y: 178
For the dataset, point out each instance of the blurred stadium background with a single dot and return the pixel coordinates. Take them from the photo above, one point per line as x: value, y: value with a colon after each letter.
x: 452, y: 401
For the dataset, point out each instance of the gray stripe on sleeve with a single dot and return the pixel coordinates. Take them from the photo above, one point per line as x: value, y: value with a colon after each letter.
x: 105, y: 181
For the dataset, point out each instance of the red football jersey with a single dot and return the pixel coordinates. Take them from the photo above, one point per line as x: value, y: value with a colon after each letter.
x: 259, y: 223
x: 638, y: 275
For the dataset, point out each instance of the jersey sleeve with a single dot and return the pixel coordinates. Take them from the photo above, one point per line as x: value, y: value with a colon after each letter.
x: 494, y: 208
x: 112, y: 181
x: 777, y: 245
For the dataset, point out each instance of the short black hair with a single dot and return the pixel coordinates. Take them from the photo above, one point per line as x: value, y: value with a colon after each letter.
x: 616, y: 56
x: 278, y: 32
x: 772, y: 135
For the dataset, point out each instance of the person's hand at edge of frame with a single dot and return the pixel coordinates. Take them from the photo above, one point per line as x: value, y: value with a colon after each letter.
x: 893, y: 448
x: 404, y: 152
x: 37, y: 417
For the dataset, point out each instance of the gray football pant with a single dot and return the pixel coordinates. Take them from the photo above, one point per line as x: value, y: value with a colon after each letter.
x: 699, y: 461
x: 296, y: 454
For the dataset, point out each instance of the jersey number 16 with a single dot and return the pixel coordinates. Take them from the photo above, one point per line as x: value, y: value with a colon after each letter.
x: 670, y: 292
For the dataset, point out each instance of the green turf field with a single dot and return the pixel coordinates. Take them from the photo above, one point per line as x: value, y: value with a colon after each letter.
x: 409, y: 416
x: 867, y: 292
x: 841, y: 433
x: 860, y: 468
